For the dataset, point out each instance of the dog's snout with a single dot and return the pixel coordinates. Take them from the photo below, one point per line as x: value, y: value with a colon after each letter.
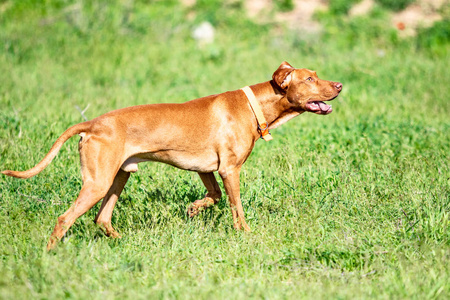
x: 338, y: 86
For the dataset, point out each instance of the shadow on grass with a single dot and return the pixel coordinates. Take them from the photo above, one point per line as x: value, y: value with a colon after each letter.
x: 160, y: 206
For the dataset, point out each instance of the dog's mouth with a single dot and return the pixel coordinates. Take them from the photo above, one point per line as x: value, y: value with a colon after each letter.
x: 318, y: 107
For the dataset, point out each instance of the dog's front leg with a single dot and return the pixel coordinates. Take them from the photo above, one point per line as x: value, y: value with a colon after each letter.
x: 211, y: 198
x: 230, y: 177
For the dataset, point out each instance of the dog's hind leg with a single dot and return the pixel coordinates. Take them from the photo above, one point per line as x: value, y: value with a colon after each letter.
x: 89, y: 195
x: 211, y: 198
x: 103, y: 218
x: 99, y: 166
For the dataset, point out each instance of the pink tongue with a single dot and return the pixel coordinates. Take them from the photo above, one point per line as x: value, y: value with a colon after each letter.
x: 323, y: 106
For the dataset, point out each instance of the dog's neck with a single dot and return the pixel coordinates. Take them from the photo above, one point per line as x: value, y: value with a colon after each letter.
x: 274, y: 104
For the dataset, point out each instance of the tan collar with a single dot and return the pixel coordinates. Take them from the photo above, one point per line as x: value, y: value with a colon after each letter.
x: 263, y: 126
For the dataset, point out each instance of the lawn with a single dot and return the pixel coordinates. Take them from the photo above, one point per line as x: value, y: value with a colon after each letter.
x: 355, y: 204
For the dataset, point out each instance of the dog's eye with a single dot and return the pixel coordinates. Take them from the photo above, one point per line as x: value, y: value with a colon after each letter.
x: 309, y: 79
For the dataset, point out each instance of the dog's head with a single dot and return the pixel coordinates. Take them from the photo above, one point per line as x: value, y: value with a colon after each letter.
x: 305, y: 90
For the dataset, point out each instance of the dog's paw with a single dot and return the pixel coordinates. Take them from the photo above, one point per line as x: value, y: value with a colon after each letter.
x: 114, y: 235
x: 192, y: 211
x: 197, y: 206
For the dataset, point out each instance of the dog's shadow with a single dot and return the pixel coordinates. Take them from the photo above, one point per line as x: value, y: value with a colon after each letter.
x: 148, y: 205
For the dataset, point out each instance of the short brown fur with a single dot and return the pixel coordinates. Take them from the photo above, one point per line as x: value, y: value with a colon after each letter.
x: 214, y: 133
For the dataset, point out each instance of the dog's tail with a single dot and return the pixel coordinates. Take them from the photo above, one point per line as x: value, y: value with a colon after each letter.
x: 76, y: 129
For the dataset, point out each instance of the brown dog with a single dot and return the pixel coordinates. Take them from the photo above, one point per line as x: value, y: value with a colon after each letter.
x: 214, y: 133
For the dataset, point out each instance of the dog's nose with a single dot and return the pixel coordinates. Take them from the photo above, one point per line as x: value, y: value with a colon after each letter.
x: 338, y: 86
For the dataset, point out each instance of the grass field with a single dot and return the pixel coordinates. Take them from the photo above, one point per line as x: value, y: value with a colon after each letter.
x: 355, y: 204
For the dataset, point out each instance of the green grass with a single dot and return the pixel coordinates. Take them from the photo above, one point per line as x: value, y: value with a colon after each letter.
x: 351, y: 205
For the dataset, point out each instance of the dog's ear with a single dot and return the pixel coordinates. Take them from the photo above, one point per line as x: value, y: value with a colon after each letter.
x: 282, y: 76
